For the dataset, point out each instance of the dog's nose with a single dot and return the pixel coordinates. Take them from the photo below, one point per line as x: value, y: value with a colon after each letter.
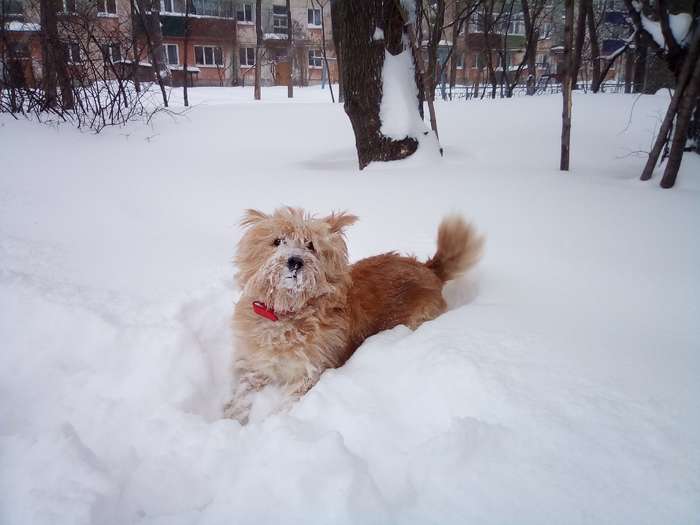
x: 294, y: 263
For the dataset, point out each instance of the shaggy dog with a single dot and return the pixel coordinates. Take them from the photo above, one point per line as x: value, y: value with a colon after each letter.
x: 304, y: 308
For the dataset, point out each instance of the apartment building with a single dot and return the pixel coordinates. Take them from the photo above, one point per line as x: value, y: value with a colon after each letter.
x: 221, y: 41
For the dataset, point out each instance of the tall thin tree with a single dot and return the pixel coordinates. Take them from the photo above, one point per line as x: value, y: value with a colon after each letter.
x: 567, y: 84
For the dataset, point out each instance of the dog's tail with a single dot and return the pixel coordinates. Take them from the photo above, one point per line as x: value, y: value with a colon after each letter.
x: 458, y: 248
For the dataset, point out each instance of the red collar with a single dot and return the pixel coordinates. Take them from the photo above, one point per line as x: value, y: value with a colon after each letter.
x: 263, y: 311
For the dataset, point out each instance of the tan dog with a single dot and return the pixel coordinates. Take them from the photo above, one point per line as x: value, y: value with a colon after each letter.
x: 304, y: 308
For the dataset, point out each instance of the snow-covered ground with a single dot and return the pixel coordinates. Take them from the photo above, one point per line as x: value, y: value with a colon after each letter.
x: 561, y: 387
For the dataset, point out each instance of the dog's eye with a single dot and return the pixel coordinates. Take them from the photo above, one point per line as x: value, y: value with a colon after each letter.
x: 276, y: 242
x: 310, y: 246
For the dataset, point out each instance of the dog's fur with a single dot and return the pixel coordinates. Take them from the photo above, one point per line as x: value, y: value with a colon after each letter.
x: 328, y: 307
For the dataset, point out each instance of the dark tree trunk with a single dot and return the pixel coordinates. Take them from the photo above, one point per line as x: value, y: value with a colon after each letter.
x: 362, y: 59
x: 134, y: 50
x: 290, y: 53
x: 49, y: 50
x: 580, y: 39
x: 434, y: 36
x: 689, y: 103
x: 149, y: 16
x: 532, y: 37
x: 258, y: 46
x: 185, y: 54
x: 567, y: 86
x: 640, y: 65
x: 595, y: 46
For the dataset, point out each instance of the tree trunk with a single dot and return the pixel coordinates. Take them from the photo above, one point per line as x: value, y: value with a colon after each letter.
x: 323, y: 50
x: 434, y: 36
x: 640, y: 64
x: 149, y: 17
x: 566, y: 87
x: 362, y: 58
x: 134, y: 50
x: 595, y: 47
x: 532, y: 37
x: 290, y: 54
x: 258, y: 46
x: 580, y: 39
x: 186, y: 45
x: 49, y: 49
x: 688, y: 103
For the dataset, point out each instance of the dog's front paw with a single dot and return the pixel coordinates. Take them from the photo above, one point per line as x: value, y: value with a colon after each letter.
x: 237, y: 409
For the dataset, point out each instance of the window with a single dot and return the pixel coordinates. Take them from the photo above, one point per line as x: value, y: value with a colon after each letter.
x: 478, y: 61
x: 314, y: 17
x: 517, y: 25
x: 69, y: 6
x: 208, y: 56
x: 475, y: 24
x: 218, y: 8
x: 315, y: 58
x: 279, y: 19
x: 166, y: 6
x: 71, y: 53
x: 247, y: 56
x: 244, y: 13
x: 459, y: 59
x: 12, y: 7
x: 546, y: 30
x: 107, y: 7
x: 172, y: 54
x: 111, y: 53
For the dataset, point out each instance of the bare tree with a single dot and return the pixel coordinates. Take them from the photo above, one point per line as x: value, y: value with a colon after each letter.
x: 321, y: 5
x: 149, y: 20
x: 681, y: 56
x: 290, y: 52
x: 567, y: 84
x: 186, y: 43
x: 258, y: 47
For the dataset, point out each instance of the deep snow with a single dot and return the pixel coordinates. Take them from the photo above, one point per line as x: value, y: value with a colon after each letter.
x: 560, y: 387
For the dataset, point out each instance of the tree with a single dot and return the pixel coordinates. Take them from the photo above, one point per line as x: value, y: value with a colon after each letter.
x: 290, y: 54
x: 258, y: 45
x: 364, y: 32
x: 186, y: 53
x: 149, y: 18
x: 321, y: 5
x: 567, y: 84
x: 655, y: 26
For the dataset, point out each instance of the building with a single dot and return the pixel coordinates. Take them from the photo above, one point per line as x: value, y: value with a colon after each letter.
x: 221, y: 41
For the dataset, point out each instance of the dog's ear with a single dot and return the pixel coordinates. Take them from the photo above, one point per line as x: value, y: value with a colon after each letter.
x: 252, y: 217
x: 340, y: 220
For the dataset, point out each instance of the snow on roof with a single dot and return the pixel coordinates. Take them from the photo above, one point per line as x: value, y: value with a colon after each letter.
x: 275, y: 36
x: 190, y: 69
x: 127, y: 61
x: 22, y: 26
x: 440, y: 43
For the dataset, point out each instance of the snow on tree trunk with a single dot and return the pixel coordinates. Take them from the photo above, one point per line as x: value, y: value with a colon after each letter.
x: 382, y: 95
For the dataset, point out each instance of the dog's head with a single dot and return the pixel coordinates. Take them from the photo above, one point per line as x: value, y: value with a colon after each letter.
x: 288, y: 258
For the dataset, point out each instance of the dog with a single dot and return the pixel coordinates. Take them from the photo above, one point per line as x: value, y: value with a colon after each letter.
x: 304, y: 308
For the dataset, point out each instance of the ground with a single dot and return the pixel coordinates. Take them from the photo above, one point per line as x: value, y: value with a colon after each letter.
x: 561, y: 386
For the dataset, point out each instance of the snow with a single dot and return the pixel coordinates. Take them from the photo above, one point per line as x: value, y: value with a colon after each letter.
x: 193, y: 69
x: 15, y: 25
x: 398, y: 109
x: 680, y: 26
x: 378, y: 34
x: 561, y: 384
